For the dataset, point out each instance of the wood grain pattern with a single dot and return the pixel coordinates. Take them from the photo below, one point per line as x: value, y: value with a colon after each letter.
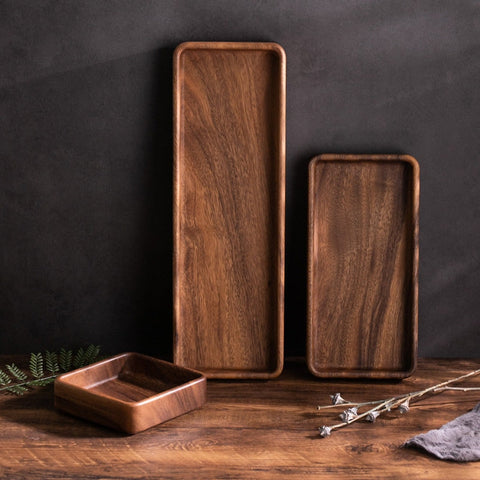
x: 229, y: 201
x: 363, y: 262
x: 247, y: 430
x: 130, y: 392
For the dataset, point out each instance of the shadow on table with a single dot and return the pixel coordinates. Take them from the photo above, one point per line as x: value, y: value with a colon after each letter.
x: 36, y: 410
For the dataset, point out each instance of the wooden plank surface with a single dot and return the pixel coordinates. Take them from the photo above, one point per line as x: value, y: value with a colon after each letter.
x: 229, y: 201
x: 247, y: 430
x: 363, y: 263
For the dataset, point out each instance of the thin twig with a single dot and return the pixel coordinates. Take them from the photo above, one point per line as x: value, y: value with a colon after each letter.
x: 458, y: 389
x: 349, y: 404
x: 394, y: 402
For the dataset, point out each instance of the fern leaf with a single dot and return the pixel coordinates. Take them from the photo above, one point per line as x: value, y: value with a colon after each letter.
x: 51, y: 362
x: 77, y: 360
x: 65, y: 359
x: 91, y: 354
x: 17, y: 389
x: 86, y: 357
x: 4, y: 378
x: 36, y: 365
x: 16, y: 372
x: 41, y: 382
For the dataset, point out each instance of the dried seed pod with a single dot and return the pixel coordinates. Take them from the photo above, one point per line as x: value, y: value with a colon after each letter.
x: 348, y: 415
x: 372, y: 416
x: 404, y: 407
x: 337, y: 399
x: 324, y: 431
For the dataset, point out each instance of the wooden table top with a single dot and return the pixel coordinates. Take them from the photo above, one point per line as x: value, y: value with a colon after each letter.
x: 247, y: 429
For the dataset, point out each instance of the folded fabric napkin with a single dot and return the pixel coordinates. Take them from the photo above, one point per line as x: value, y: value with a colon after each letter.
x: 458, y: 440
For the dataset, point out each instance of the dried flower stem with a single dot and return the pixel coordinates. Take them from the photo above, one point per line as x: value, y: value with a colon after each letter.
x: 382, y: 406
x: 448, y: 382
x: 349, y: 404
x: 362, y: 415
x: 458, y: 389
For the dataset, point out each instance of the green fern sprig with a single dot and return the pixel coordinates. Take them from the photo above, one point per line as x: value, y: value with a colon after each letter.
x: 16, y: 372
x: 36, y: 365
x: 17, y: 389
x: 52, y: 362
x: 65, y: 359
x: 4, y: 378
x: 45, y: 368
x: 42, y: 382
x: 77, y: 359
x: 91, y: 354
x: 86, y: 357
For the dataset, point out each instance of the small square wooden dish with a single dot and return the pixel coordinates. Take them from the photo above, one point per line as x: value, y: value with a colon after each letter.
x: 130, y: 392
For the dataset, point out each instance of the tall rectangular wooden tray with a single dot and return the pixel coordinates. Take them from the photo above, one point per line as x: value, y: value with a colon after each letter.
x: 362, y: 266
x: 229, y: 201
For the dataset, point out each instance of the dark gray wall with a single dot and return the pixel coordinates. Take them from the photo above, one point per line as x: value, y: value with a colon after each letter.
x: 86, y: 153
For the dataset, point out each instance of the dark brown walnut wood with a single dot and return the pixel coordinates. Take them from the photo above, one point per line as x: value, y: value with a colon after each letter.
x: 229, y: 198
x: 130, y: 392
x: 363, y: 262
x: 246, y: 430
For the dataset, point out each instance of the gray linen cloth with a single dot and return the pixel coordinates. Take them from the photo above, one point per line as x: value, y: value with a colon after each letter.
x: 458, y: 440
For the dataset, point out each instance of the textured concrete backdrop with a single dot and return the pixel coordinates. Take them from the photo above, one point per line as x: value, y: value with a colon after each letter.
x: 86, y: 153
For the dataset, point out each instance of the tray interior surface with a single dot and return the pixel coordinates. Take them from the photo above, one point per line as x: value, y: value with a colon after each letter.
x: 362, y: 274
x: 130, y: 378
x: 229, y: 282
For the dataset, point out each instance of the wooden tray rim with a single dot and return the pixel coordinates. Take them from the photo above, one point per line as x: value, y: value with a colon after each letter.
x: 415, y: 197
x: 281, y: 147
x: 261, y: 46
x: 62, y: 380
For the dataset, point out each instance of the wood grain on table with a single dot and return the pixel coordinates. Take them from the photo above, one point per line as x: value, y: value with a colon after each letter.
x: 247, y: 430
x: 229, y: 208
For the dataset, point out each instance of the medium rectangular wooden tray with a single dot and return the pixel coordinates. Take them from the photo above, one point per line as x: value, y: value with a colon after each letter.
x: 130, y: 392
x: 229, y: 202
x: 362, y: 266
